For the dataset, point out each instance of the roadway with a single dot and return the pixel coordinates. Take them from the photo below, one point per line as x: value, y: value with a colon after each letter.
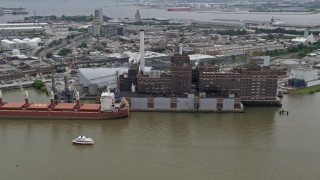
x: 75, y: 41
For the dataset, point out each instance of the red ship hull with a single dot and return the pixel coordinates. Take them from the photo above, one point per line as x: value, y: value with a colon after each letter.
x: 42, y: 114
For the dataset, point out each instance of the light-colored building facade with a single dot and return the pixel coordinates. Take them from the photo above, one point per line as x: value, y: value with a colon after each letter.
x: 304, y: 74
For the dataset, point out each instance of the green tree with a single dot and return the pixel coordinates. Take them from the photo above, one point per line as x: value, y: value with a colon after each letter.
x: 49, y: 55
x: 64, y: 52
x: 83, y: 45
x: 38, y: 84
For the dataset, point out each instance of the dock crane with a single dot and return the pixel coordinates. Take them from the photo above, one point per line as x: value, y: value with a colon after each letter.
x: 25, y: 94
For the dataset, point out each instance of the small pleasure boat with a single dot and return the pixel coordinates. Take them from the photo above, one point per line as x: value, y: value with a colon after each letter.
x: 83, y: 140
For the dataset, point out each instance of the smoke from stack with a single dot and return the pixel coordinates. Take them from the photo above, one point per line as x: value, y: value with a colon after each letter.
x: 142, y: 62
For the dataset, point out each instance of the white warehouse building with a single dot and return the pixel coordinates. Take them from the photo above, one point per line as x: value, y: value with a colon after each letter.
x: 304, y: 74
x: 100, y: 76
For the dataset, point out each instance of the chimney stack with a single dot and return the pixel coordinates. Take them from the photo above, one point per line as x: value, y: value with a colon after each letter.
x: 142, y: 63
x: 180, y: 48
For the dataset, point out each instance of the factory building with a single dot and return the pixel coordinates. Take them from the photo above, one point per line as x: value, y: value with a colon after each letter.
x: 112, y: 29
x: 213, y: 82
x: 154, y: 83
x: 253, y: 86
x: 262, y: 61
x: 21, y: 31
x: 100, y: 76
x: 130, y: 79
x: 258, y: 85
x: 181, y: 74
x: 247, y: 84
x: 304, y: 74
x: 303, y: 77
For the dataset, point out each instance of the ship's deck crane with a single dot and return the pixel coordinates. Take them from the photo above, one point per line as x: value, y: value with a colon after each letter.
x: 25, y: 94
x: 0, y: 97
x: 67, y: 90
x: 51, y: 94
x: 77, y: 97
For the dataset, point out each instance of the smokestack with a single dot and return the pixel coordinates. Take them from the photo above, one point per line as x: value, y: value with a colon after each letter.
x: 142, y: 63
x: 180, y: 48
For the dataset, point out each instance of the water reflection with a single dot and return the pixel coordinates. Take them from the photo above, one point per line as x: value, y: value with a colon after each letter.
x: 169, y: 145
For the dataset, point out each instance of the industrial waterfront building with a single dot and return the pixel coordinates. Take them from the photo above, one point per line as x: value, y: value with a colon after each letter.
x: 199, y: 89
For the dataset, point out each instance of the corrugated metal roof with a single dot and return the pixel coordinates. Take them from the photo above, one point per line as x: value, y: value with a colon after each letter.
x: 65, y: 106
x: 97, y: 73
x: 93, y: 107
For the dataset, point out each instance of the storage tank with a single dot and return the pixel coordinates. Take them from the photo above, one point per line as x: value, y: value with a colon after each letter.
x: 93, y: 89
x: 27, y: 39
x: 34, y: 42
x: 7, y: 44
x: 289, y: 64
x: 20, y: 44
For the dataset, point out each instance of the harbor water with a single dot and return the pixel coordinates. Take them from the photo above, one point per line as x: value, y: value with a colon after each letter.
x: 127, y: 9
x: 257, y: 144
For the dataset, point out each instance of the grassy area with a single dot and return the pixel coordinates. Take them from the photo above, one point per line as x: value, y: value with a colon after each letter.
x: 306, y: 90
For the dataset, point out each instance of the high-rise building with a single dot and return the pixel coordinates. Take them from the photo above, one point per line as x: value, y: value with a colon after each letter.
x: 306, y: 33
x: 98, y: 15
x: 137, y: 16
x: 97, y: 21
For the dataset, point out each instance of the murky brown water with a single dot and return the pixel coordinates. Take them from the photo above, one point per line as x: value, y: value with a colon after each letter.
x: 257, y: 144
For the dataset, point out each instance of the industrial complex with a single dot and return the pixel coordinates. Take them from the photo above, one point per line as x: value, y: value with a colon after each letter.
x: 160, y: 64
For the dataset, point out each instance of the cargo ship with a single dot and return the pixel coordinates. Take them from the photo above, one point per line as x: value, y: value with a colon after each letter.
x: 109, y: 108
x: 15, y: 11
x: 179, y: 9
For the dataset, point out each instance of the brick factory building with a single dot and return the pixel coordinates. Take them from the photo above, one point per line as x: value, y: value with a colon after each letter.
x: 247, y: 84
x: 181, y: 74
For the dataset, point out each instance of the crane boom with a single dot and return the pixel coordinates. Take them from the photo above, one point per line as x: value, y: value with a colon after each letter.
x: 50, y: 92
x: 24, y: 92
x: 76, y: 94
x: 0, y: 97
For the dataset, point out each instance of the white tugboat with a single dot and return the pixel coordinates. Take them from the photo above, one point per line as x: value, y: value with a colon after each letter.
x: 83, y: 140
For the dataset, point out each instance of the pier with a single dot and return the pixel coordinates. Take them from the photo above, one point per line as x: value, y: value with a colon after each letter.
x: 283, y: 112
x: 16, y: 85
